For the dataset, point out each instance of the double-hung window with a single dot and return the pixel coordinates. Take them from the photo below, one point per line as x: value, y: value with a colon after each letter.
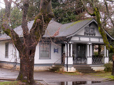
x: 44, y: 50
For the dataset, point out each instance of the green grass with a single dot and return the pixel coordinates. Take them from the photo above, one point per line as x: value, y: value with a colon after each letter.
x: 71, y: 73
x: 15, y: 83
x: 97, y: 74
x: 101, y: 74
x: 9, y: 83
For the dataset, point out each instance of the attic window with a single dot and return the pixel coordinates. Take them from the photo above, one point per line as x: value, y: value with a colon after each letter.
x: 90, y: 31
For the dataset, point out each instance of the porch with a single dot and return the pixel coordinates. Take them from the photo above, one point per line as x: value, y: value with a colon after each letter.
x: 85, y: 54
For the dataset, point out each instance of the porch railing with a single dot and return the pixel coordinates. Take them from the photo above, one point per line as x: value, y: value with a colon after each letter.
x: 97, y: 60
x: 80, y: 60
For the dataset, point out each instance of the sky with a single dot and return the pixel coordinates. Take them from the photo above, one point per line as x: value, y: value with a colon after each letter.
x: 2, y: 4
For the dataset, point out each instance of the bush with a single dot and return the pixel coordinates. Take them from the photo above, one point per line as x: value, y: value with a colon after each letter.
x: 55, y: 68
x: 110, y: 56
x: 108, y: 67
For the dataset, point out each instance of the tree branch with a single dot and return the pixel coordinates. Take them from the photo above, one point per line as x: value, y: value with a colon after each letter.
x: 7, y: 7
x: 108, y: 13
x: 100, y: 28
x: 26, y: 35
x: 92, y: 14
x: 14, y: 36
x: 42, y: 19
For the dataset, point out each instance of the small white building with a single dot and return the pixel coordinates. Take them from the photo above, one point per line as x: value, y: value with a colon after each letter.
x: 76, y: 40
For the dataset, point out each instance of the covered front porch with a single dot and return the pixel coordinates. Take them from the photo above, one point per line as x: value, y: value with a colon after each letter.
x: 85, y: 54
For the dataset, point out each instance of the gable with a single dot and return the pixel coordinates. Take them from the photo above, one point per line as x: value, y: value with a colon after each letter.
x: 90, y: 30
x: 88, y: 34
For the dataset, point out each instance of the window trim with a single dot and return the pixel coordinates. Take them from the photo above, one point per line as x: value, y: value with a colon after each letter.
x: 49, y: 50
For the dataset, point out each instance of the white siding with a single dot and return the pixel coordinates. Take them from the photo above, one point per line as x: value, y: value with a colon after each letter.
x: 75, y: 38
x: 11, y: 53
x: 84, y: 39
x: 94, y: 39
x: 55, y: 57
x: 2, y: 51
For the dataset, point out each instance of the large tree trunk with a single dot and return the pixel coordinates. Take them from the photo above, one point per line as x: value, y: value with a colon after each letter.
x: 26, y: 73
x: 27, y: 45
x: 113, y: 69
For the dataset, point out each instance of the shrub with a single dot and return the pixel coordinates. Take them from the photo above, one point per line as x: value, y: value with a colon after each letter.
x: 55, y: 68
x: 108, y: 67
x: 110, y: 56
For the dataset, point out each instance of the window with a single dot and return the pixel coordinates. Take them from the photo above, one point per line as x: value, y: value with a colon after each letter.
x: 44, y: 50
x: 6, y: 49
x: 90, y: 31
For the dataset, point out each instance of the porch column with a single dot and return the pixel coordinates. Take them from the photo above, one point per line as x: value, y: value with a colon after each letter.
x: 69, y: 58
x: 104, y: 51
x: 71, y: 50
x: 68, y: 49
x: 106, y: 55
x: 65, y: 49
x: 89, y: 53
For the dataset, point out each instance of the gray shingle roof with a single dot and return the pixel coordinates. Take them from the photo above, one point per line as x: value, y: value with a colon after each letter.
x: 54, y: 29
x: 70, y: 28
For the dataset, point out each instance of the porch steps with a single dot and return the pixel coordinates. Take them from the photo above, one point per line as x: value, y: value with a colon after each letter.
x: 84, y: 68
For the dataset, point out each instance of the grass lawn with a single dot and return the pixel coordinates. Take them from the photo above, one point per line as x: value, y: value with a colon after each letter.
x: 106, y: 75
x: 15, y: 83
x: 10, y: 83
x: 101, y: 74
x: 71, y: 73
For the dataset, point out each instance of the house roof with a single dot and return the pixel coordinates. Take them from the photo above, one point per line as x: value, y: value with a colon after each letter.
x: 56, y: 29
x: 64, y: 30
x: 109, y: 35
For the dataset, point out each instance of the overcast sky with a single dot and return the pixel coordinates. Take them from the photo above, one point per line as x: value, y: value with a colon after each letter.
x: 2, y: 4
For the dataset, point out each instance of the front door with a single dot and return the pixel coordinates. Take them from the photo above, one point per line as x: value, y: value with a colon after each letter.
x: 81, y: 54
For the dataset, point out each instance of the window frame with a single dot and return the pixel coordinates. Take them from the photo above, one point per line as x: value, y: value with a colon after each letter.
x: 44, y: 43
x: 6, y: 50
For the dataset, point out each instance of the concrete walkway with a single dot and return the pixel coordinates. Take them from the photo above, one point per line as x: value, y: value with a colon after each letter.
x: 51, y: 78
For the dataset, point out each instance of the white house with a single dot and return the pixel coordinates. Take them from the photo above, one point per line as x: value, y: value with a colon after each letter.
x: 76, y: 40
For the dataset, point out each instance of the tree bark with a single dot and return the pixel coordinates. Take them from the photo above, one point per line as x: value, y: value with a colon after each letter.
x: 27, y: 45
x: 113, y: 69
x: 26, y: 73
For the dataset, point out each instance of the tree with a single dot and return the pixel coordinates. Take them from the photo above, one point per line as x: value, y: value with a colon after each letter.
x: 26, y: 45
x: 15, y: 17
x: 96, y: 12
x: 66, y: 11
